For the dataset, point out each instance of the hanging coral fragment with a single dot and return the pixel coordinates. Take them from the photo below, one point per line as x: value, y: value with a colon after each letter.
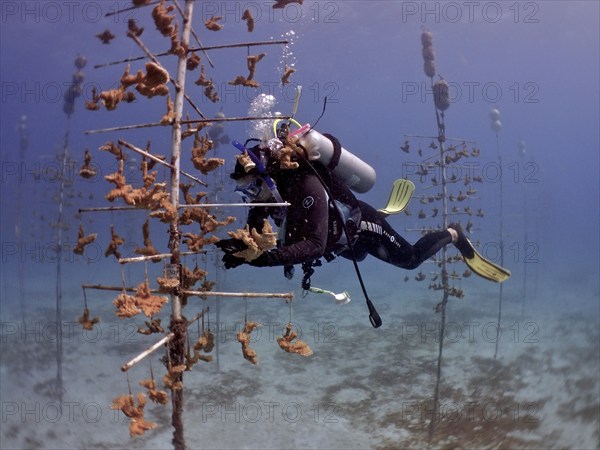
x: 83, y: 240
x: 247, y: 16
x: 243, y: 338
x: 87, y: 171
x: 290, y: 344
x: 202, y: 144
x: 86, y: 322
x: 126, y: 403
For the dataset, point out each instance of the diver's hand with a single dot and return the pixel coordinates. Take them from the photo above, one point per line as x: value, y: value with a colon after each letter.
x: 231, y: 245
x: 231, y: 261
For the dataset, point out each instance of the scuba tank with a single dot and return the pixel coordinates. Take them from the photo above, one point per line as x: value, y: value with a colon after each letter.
x: 353, y: 171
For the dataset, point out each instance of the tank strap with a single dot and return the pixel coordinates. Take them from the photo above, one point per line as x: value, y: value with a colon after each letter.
x: 337, y: 152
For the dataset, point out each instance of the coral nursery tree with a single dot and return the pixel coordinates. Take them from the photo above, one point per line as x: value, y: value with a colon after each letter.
x: 450, y: 194
x: 191, y: 223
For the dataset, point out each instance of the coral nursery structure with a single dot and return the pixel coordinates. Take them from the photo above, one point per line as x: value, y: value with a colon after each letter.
x: 450, y: 195
x: 166, y: 200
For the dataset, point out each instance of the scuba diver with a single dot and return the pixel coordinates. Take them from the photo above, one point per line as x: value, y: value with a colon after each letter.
x: 324, y: 219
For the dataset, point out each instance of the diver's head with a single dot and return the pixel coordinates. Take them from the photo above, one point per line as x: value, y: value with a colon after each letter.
x: 253, y: 188
x: 250, y: 182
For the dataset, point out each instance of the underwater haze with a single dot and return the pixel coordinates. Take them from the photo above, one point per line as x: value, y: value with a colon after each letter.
x: 511, y: 365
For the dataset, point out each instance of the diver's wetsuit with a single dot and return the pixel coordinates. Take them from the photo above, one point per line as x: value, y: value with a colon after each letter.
x: 312, y: 227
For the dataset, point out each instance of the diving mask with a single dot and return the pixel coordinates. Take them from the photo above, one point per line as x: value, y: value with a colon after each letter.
x: 249, y: 188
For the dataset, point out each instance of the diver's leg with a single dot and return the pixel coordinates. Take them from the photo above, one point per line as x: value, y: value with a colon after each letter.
x: 429, y: 245
x: 460, y: 241
x: 383, y: 242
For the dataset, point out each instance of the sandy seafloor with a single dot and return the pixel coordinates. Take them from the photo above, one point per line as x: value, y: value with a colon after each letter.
x: 362, y: 388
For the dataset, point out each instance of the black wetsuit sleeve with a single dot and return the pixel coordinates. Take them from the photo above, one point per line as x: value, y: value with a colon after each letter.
x: 306, y: 224
x: 256, y: 217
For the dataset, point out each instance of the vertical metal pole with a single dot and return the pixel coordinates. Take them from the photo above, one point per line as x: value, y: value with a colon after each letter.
x: 23, y: 144
x: 445, y: 284
x: 59, y: 242
x: 178, y: 327
x: 501, y: 243
x: 523, y: 250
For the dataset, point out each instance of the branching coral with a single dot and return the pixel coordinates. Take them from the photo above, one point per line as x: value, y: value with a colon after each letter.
x: 207, y: 286
x: 152, y: 326
x: 160, y: 397
x: 286, y: 342
x: 173, y: 376
x: 205, y: 343
x: 106, y: 36
x: 193, y: 131
x: 150, y: 195
x: 176, y: 48
x: 245, y: 161
x: 189, y: 198
x: 211, y: 93
x: 169, y: 117
x: 83, y: 240
x: 191, y: 215
x: 133, y: 29
x: 285, y: 78
x: 122, y: 189
x: 166, y: 284
x: 113, y: 149
x: 87, y: 171
x: 209, y: 86
x: 155, y: 75
x: 169, y: 212
x: 191, y: 277
x: 86, y: 322
x: 126, y: 306
x: 113, y: 246
x: 202, y: 145
x: 251, y: 60
x: 256, y: 242
x: 288, y: 154
x: 148, y: 303
x: 247, y: 16
x: 110, y: 99
x: 148, y: 178
x: 243, y: 338
x: 195, y: 242
x: 126, y: 403
x: 162, y: 19
x: 92, y: 105
x: 143, y: 301
x: 210, y: 223
x: 202, y: 81
x: 193, y: 61
x: 129, y: 80
x: 240, y: 80
x: 148, y: 249
x: 154, y: 82
x: 213, y: 24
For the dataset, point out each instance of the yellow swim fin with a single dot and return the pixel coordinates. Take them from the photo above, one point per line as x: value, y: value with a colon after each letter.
x: 400, y: 196
x: 485, y: 268
x: 477, y: 263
